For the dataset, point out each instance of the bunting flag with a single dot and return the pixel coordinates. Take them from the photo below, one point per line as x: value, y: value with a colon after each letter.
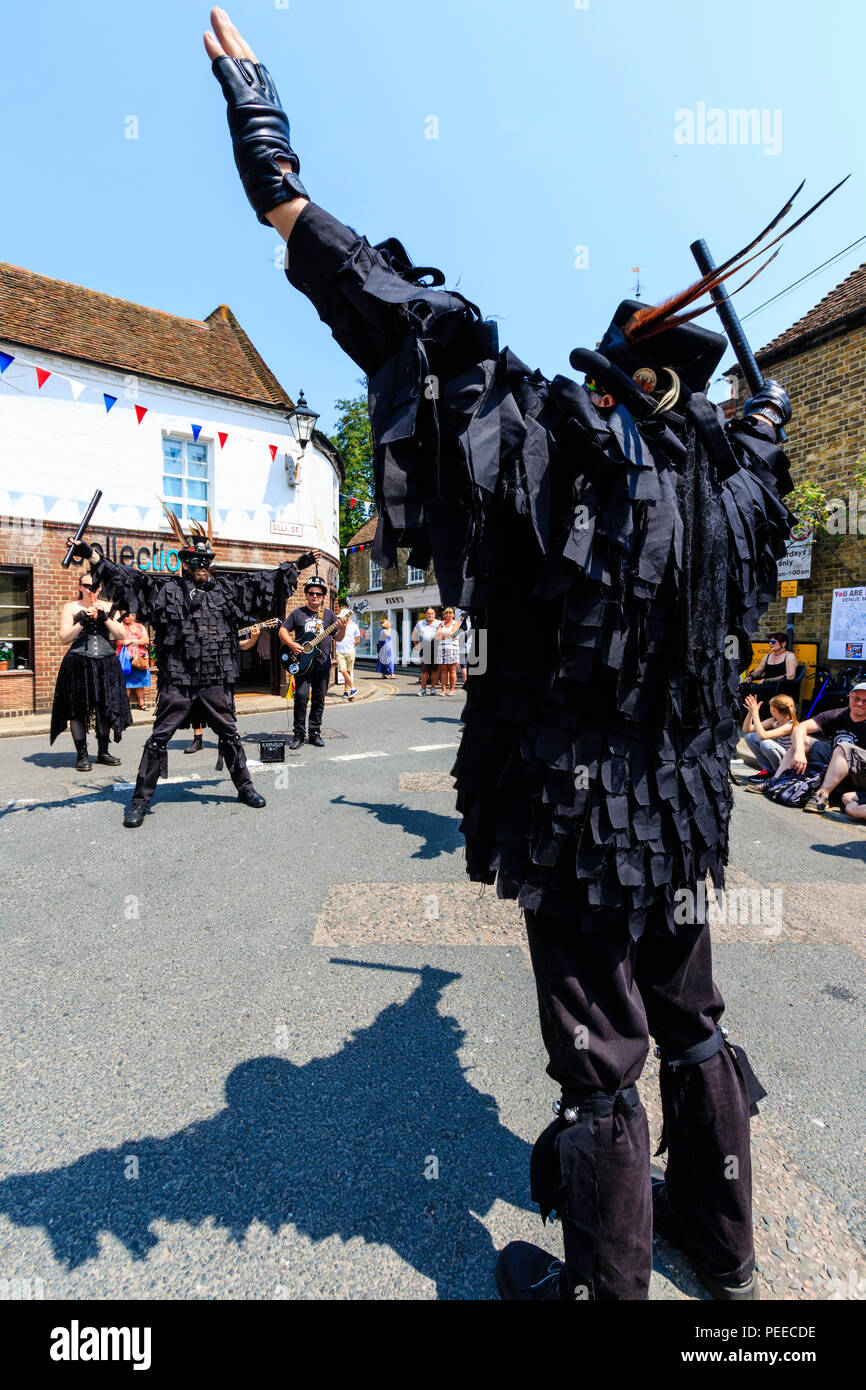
x: 109, y: 401
x: 273, y: 449
x: 76, y: 387
x: 196, y: 431
x: 42, y: 376
x: 5, y: 361
x: 352, y: 501
x: 222, y: 436
x: 140, y: 411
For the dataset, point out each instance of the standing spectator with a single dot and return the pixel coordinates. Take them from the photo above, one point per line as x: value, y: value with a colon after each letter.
x: 448, y: 651
x: 424, y: 636
x: 138, y: 678
x: 769, y: 742
x: 387, y: 650
x: 464, y: 637
x: 346, y: 650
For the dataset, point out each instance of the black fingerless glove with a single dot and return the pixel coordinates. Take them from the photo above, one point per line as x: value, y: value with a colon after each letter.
x: 260, y: 132
x: 85, y: 619
x: 81, y: 550
x: 772, y: 401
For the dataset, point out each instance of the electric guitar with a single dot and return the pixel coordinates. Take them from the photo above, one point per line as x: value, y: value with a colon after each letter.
x: 245, y: 631
x: 299, y: 663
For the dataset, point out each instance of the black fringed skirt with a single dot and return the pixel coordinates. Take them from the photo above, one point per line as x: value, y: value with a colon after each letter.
x: 87, y: 686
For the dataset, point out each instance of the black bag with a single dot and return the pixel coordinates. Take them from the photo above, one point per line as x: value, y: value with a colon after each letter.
x: 272, y: 750
x: 793, y: 788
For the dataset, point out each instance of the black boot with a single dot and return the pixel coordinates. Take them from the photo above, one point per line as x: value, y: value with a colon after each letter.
x: 250, y: 797
x: 666, y: 1225
x: 527, y: 1273
x: 708, y: 1094
x: 135, y: 814
x: 196, y: 746
x: 317, y: 741
x: 103, y: 756
x: 84, y: 764
x: 296, y: 742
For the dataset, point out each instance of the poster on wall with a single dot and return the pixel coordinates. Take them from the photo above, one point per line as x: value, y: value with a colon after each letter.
x: 848, y: 625
x: 796, y: 563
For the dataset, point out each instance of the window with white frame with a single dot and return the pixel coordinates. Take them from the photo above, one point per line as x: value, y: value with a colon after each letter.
x: 375, y: 575
x: 416, y: 576
x: 185, y: 483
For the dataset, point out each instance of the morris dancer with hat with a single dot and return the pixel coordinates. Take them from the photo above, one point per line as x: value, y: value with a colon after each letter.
x: 634, y: 533
x: 195, y: 618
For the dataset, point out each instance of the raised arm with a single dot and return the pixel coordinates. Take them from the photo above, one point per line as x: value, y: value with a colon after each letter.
x: 364, y: 293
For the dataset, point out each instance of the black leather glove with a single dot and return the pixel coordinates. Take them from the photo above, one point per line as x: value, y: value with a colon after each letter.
x: 772, y: 401
x: 260, y: 132
x: 85, y: 619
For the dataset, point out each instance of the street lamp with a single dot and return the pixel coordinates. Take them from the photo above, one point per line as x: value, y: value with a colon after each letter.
x: 302, y: 422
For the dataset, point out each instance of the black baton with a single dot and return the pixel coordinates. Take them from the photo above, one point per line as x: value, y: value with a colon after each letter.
x: 79, y: 534
x: 731, y: 323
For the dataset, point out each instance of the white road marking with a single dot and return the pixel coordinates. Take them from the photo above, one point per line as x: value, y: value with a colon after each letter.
x: 432, y: 747
x: 356, y: 757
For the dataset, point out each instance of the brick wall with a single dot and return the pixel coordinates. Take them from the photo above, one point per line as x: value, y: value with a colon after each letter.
x: 41, y: 549
x: 827, y: 386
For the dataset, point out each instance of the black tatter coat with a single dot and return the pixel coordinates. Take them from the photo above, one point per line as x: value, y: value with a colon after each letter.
x: 196, y: 627
x: 615, y: 568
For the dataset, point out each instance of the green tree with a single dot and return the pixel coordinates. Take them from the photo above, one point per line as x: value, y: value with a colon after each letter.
x: 353, y: 439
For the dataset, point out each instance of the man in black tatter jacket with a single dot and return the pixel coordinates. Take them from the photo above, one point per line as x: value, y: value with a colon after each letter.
x: 195, y: 617
x: 634, y: 533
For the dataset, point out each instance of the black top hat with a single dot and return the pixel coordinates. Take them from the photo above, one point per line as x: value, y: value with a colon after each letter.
x: 690, y: 350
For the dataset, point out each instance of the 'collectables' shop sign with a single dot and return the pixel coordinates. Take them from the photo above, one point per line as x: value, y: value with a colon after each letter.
x: 156, y: 558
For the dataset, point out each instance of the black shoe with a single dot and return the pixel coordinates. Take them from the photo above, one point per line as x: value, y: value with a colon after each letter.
x: 195, y: 747
x: 104, y: 757
x: 317, y: 741
x: 250, y: 797
x: 295, y: 742
x: 666, y: 1225
x: 83, y: 764
x: 527, y: 1273
x: 135, y: 814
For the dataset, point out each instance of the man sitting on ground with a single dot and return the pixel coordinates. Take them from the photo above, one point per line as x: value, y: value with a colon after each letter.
x: 841, y: 739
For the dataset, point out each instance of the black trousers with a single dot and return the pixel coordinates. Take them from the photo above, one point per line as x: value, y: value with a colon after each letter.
x: 316, y: 680
x: 215, y: 707
x: 600, y: 996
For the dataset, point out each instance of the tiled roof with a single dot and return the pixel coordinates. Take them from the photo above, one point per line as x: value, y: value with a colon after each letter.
x: 366, y: 534
x: 833, y: 311
x: 215, y: 355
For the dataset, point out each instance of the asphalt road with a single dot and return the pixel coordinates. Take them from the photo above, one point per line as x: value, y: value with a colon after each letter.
x: 292, y: 1053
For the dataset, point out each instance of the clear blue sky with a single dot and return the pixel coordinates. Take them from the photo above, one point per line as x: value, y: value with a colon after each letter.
x: 556, y: 130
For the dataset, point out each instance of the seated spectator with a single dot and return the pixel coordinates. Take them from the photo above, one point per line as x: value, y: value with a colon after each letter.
x: 840, y: 746
x: 769, y: 742
x: 773, y: 672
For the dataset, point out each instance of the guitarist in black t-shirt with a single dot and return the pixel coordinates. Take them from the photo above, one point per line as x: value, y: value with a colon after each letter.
x: 299, y: 627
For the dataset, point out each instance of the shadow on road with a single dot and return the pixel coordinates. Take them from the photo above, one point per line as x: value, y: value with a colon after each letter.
x: 337, y: 1146
x: 439, y: 833
x: 166, y: 794
x: 853, y: 849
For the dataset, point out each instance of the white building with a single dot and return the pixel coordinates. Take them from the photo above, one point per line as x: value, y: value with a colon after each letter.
x: 96, y: 392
